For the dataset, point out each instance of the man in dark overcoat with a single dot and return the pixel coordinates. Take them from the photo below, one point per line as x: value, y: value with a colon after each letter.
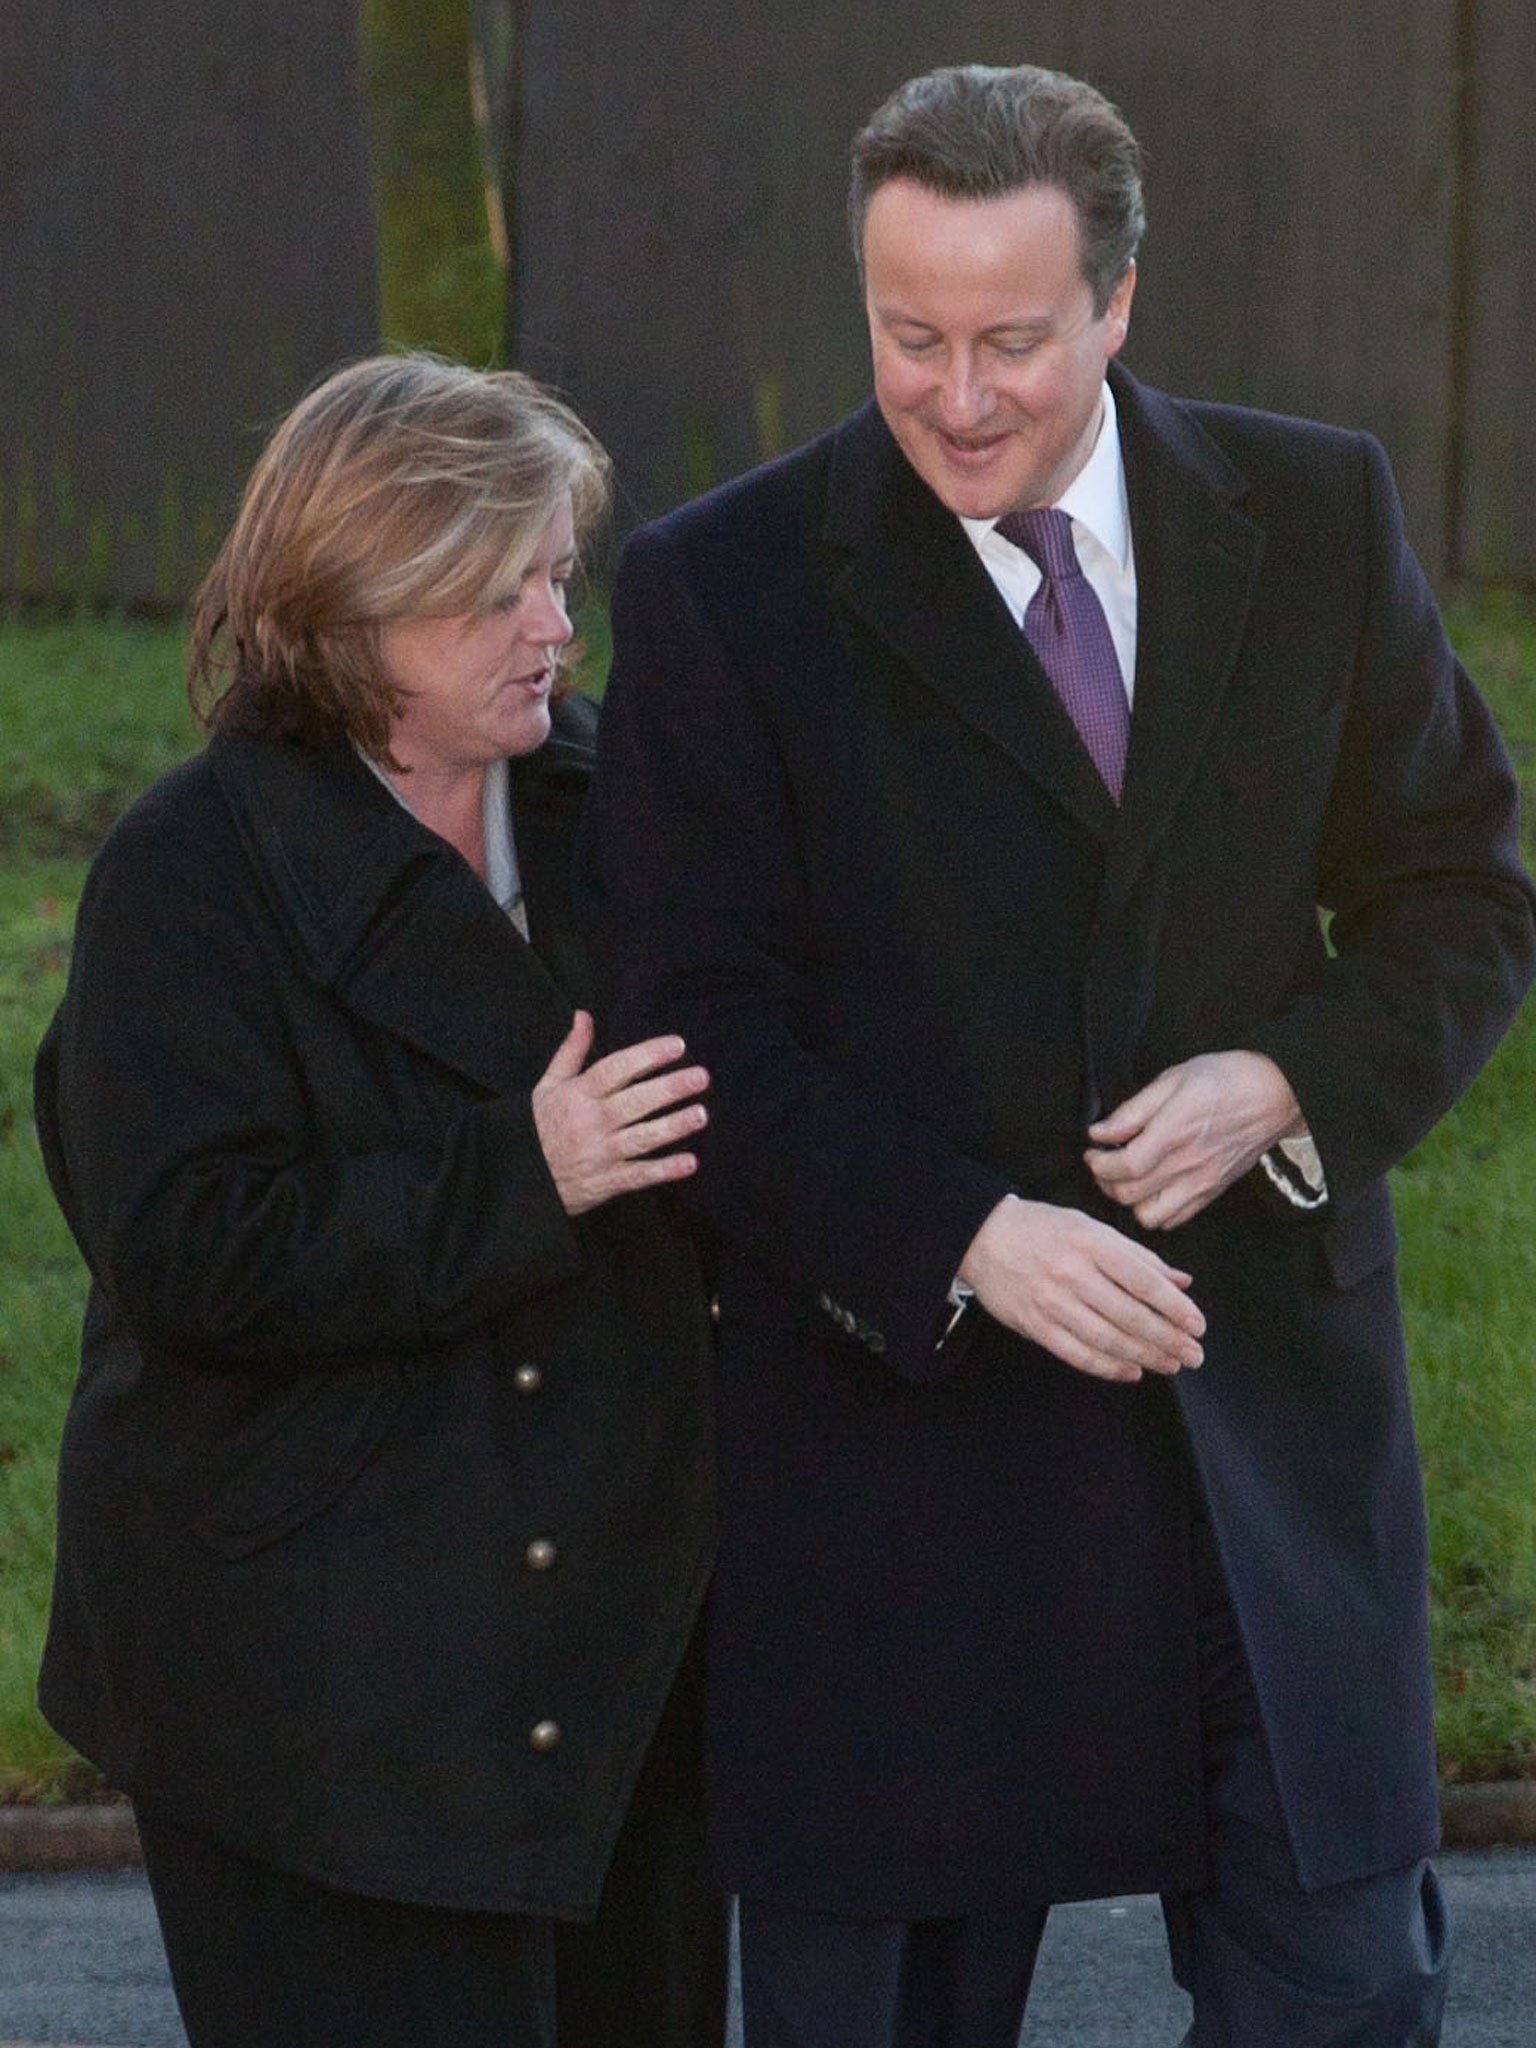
x: 1074, y: 1538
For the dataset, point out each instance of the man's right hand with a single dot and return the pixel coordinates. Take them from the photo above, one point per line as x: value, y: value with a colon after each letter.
x: 1098, y: 1301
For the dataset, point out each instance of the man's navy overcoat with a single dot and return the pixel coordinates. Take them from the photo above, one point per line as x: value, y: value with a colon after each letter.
x: 844, y: 838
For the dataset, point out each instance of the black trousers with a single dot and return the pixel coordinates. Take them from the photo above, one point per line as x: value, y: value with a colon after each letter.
x: 650, y: 1970
x: 1359, y: 1965
x: 259, y: 1956
x: 263, y: 1959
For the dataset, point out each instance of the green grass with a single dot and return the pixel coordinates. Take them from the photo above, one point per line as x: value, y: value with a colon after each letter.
x: 1465, y: 1206
x: 91, y: 711
x: 41, y: 1293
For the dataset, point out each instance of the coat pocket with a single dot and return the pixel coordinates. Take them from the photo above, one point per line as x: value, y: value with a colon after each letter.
x: 297, y: 1459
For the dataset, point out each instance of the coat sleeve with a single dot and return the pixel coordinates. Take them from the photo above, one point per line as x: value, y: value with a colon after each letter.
x: 692, y: 867
x: 176, y: 1105
x: 1431, y: 939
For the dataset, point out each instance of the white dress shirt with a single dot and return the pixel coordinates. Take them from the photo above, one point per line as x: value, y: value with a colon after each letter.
x: 1096, y: 503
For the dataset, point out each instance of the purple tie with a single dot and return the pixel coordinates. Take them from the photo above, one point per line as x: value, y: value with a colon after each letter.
x: 1065, y: 625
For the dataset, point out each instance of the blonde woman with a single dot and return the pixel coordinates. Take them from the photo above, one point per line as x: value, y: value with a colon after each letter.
x: 385, y: 1500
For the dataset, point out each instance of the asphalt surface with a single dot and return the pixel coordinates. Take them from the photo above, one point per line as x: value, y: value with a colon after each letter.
x: 80, y: 1965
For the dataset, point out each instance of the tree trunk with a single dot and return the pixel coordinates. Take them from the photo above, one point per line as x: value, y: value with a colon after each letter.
x: 441, y: 282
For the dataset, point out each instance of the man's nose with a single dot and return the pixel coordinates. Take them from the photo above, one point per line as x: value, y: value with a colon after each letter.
x: 964, y: 399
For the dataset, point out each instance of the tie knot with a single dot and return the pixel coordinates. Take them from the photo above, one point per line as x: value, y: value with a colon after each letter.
x: 1045, y: 534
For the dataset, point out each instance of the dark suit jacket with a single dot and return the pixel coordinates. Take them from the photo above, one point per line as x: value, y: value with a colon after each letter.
x: 346, y: 1357
x: 844, y: 838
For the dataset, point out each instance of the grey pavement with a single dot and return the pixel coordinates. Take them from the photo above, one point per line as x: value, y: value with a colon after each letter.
x: 80, y: 1964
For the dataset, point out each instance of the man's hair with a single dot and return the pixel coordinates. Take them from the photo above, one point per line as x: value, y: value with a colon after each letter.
x: 974, y: 131
x: 402, y: 486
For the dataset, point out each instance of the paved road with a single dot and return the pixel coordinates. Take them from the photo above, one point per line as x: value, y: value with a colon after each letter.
x: 80, y: 1965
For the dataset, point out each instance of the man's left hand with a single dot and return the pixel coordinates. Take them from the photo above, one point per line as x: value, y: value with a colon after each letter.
x: 1177, y: 1143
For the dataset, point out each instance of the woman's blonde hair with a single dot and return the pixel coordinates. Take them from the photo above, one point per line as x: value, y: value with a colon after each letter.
x: 403, y: 486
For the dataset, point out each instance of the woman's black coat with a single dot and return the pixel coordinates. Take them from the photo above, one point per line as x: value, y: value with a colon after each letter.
x: 385, y: 1499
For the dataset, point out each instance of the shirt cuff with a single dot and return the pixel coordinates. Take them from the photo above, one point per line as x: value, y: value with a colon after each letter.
x: 959, y: 1298
x: 1294, y: 1167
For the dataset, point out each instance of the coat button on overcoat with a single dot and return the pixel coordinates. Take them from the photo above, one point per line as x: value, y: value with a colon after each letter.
x: 544, y: 1736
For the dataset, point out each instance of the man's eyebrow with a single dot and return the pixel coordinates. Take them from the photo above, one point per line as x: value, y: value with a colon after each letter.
x: 897, y: 317
x: 1029, y: 324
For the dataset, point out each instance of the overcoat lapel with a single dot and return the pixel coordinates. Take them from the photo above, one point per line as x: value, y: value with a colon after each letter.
x: 909, y: 571
x: 906, y: 567
x: 387, y: 915
x: 1197, y: 561
x: 1197, y: 565
x: 547, y: 790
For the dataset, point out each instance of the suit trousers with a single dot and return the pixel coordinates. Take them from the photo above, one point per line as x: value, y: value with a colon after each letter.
x: 1359, y: 1965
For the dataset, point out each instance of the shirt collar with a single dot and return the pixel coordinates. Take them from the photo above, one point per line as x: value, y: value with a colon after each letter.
x: 1095, y: 498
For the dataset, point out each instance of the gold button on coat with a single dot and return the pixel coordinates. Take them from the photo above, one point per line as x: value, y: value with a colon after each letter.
x: 528, y: 1379
x: 540, y: 1554
x: 543, y: 1736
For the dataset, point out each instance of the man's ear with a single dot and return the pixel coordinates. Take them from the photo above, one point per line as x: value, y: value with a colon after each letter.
x: 1117, y: 314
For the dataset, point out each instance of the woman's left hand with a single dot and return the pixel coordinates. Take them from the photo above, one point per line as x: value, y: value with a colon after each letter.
x: 598, y: 1128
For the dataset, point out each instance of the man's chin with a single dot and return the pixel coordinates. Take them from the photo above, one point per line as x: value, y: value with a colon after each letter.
x: 976, y: 484
x: 968, y: 499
